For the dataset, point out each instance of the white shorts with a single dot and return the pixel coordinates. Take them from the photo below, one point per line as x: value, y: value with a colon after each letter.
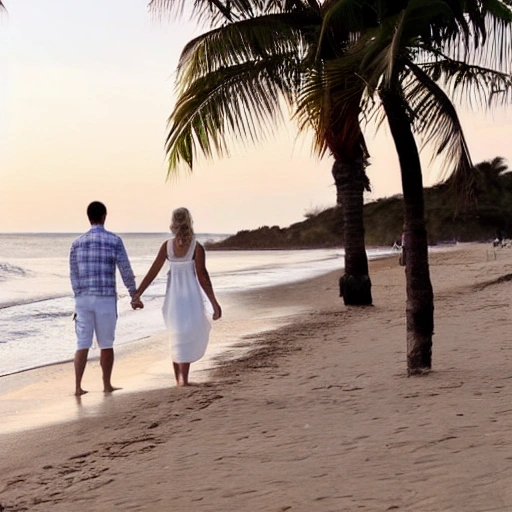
x: 95, y: 315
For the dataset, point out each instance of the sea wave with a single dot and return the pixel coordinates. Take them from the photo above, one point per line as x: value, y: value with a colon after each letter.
x: 8, y: 271
x: 32, y: 300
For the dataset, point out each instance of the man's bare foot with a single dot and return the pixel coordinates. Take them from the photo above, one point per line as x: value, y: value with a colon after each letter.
x: 110, y: 389
x: 80, y: 392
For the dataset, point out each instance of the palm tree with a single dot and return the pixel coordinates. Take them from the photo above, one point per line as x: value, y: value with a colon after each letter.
x: 493, y: 189
x: 489, y: 175
x: 237, y: 79
x: 416, y: 45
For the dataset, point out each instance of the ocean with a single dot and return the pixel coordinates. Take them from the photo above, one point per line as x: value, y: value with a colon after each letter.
x: 36, y: 302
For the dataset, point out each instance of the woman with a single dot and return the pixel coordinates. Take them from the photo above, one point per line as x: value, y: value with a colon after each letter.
x: 183, y: 309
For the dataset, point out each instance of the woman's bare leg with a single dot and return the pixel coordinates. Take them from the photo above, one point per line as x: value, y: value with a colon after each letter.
x: 176, y: 367
x: 183, y: 370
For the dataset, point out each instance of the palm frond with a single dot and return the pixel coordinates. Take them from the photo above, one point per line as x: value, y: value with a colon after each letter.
x: 495, y: 168
x: 342, y: 22
x: 237, y: 104
x: 476, y: 85
x: 394, y: 47
x: 313, y: 108
x: 256, y: 39
x: 487, y: 37
x: 374, y: 50
x: 220, y: 12
x: 212, y: 12
x: 496, y: 51
x: 329, y: 102
x: 421, y: 22
x: 435, y: 119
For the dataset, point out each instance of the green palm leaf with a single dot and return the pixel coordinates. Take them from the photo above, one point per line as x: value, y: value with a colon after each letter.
x: 476, y: 85
x: 249, y: 40
x: 436, y: 121
x: 239, y: 103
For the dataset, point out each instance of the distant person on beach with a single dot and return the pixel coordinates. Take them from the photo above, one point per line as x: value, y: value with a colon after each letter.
x: 498, y: 241
x: 184, y: 309
x: 402, y: 258
x: 93, y: 259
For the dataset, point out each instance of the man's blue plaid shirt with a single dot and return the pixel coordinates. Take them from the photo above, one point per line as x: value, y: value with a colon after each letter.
x: 93, y: 260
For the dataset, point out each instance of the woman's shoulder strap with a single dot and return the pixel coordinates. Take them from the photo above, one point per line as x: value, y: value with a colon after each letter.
x: 170, y: 251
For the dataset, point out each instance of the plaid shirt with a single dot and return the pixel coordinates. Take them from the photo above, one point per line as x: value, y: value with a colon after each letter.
x: 93, y: 259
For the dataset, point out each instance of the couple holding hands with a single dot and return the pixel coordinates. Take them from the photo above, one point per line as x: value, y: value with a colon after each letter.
x: 94, y: 257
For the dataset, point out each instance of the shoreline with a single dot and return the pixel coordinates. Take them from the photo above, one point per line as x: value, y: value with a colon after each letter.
x: 269, y: 308
x: 28, y: 327
x: 144, y: 363
x: 230, y: 297
x: 320, y: 416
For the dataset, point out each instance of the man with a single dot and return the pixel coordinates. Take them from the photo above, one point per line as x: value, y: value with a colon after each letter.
x: 93, y: 259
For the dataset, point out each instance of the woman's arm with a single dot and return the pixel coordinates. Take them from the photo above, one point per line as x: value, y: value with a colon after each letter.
x: 204, y: 280
x: 152, y: 273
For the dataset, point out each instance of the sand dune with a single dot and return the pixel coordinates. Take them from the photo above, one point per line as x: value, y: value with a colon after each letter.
x: 320, y: 416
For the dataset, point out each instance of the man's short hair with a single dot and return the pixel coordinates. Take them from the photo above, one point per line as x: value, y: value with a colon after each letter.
x: 96, y: 211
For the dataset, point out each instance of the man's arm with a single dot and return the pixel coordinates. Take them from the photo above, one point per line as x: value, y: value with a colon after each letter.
x: 73, y: 270
x: 123, y: 264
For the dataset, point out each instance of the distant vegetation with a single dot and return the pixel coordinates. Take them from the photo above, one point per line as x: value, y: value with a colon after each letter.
x: 487, y: 213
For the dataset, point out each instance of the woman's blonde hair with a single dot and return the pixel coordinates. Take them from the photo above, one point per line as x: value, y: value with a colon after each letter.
x: 181, y: 225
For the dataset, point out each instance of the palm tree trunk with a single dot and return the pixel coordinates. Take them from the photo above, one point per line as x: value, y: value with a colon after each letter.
x: 420, y: 298
x: 355, y: 284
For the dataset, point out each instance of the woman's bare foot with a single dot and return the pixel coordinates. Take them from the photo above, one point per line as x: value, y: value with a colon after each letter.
x: 110, y: 389
x: 80, y: 392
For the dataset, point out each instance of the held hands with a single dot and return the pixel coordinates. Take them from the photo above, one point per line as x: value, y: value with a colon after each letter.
x: 136, y: 303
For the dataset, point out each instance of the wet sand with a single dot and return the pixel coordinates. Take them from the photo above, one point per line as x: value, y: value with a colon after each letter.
x: 317, y: 414
x: 37, y: 398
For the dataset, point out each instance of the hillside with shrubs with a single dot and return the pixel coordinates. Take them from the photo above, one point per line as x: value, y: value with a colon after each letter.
x: 486, y: 212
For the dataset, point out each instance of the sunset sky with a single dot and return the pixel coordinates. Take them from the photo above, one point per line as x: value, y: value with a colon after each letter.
x: 85, y: 92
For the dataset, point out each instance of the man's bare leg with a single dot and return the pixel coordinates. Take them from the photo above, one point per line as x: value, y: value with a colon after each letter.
x: 107, y: 363
x: 80, y: 363
x: 183, y: 371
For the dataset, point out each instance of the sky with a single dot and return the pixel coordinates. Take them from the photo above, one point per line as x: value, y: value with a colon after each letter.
x: 85, y: 92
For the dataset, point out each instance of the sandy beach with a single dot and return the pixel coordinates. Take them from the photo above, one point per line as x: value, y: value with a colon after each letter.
x: 317, y: 415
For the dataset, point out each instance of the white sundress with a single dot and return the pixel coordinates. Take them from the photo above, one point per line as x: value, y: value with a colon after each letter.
x: 184, y: 308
